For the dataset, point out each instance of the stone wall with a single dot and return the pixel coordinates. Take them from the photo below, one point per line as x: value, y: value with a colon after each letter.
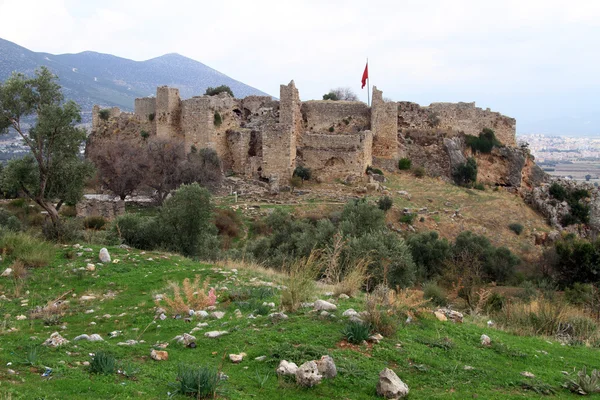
x: 100, y: 208
x: 327, y: 116
x: 460, y: 117
x: 245, y: 147
x: 337, y: 155
x: 384, y: 123
x: 168, y: 112
x: 145, y: 107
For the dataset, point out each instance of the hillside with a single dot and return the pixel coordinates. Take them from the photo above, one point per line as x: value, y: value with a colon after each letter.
x: 116, y: 300
x: 91, y: 78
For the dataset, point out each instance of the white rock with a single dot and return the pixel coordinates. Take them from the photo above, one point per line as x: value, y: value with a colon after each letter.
x: 202, y: 325
x: 87, y: 298
x: 7, y: 272
x: 485, y: 340
x: 350, y: 313
x: 261, y: 358
x: 527, y: 374
x: 343, y: 296
x: 272, y: 305
x: 162, y: 317
x: 130, y: 342
x: 390, y: 386
x: 307, y: 305
x: 104, y: 256
x: 159, y: 355
x: 217, y: 314
x: 90, y: 267
x: 202, y: 314
x: 185, y: 339
x: 307, y: 375
x: 327, y: 367
x: 21, y: 317
x: 286, y: 368
x: 376, y: 338
x: 55, y: 340
x: 215, y: 334
x: 92, y: 338
x: 490, y: 324
x: 237, y: 358
x: 322, y: 305
x: 278, y: 316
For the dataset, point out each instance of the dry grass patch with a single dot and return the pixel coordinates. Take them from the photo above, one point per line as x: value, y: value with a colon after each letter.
x: 300, y: 283
x: 189, y: 296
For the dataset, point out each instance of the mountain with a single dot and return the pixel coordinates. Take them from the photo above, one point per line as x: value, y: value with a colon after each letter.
x: 94, y: 78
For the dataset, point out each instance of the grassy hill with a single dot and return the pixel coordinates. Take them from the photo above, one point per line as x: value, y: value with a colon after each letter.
x: 435, y: 359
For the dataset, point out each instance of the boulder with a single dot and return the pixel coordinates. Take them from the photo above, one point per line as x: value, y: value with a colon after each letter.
x: 159, y: 355
x: 7, y: 272
x: 350, y: 313
x: 186, y: 339
x: 55, y: 340
x: 327, y: 367
x: 307, y: 375
x: 215, y: 334
x: 452, y: 315
x: 278, y: 316
x: 104, y: 256
x: 322, y: 305
x: 485, y: 340
x: 91, y: 338
x: 217, y: 314
x: 440, y: 316
x: 390, y: 386
x: 286, y: 368
x: 237, y: 358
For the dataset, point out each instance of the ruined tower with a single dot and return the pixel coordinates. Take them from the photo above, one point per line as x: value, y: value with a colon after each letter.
x: 168, y: 112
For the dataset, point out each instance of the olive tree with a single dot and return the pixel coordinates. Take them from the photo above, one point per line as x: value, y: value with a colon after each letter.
x: 53, y: 172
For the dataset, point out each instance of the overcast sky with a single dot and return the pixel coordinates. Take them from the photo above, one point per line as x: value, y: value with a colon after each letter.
x: 531, y: 59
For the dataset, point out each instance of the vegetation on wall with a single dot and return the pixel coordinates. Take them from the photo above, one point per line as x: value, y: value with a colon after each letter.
x: 213, y: 91
x: 483, y: 143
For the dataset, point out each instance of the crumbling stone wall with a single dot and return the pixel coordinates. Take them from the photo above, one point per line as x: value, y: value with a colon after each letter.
x: 245, y: 146
x: 145, y: 107
x: 384, y: 123
x: 100, y: 208
x: 460, y: 117
x: 168, y: 112
x: 327, y: 116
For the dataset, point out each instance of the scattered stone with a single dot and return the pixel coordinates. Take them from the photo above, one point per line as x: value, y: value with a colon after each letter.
x: 21, y: 317
x: 490, y: 324
x: 286, y: 368
x: 55, y: 340
x: 215, y: 334
x: 452, y: 315
x: 104, y: 256
x: 376, y: 338
x: 237, y: 358
x: 91, y: 338
x: 90, y: 267
x: 343, y: 296
x: 327, y: 367
x: 159, y: 355
x: 238, y: 313
x: 129, y: 342
x: 324, y: 314
x: 468, y: 368
x: 7, y: 272
x: 350, y: 313
x: 272, y: 305
x: 307, y: 375
x: 202, y: 314
x: 186, y: 339
x: 390, y: 386
x: 307, y: 305
x: 261, y: 358
x: 87, y: 298
x: 162, y: 317
x: 115, y: 333
x: 527, y: 374
x: 11, y: 371
x: 217, y: 314
x: 440, y: 316
x: 278, y: 316
x: 322, y: 305
x: 485, y: 340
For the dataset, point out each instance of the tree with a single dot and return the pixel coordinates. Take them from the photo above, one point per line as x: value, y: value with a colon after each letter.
x: 54, y: 170
x: 121, y: 165
x: 213, y: 91
x: 342, y: 94
x: 202, y: 166
x: 466, y: 174
x: 163, y: 157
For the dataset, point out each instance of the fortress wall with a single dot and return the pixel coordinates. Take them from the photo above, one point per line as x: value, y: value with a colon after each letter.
x: 331, y: 156
x: 465, y: 117
x: 245, y: 148
x: 168, y: 112
x: 343, y: 116
x: 384, y: 123
x: 251, y: 105
x: 144, y: 107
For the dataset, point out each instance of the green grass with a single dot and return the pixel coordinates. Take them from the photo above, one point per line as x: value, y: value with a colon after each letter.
x: 430, y: 356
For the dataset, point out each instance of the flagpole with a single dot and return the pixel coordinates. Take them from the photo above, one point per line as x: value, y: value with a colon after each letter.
x: 368, y: 87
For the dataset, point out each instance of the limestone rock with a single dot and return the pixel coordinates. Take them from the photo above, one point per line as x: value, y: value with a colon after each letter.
x: 159, y: 355
x: 452, y: 315
x: 278, y: 316
x: 376, y: 338
x: 390, y: 386
x: 286, y: 368
x: 485, y: 340
x: 527, y: 374
x: 343, y: 296
x: 55, y: 340
x: 7, y: 272
x: 91, y: 338
x: 90, y: 267
x: 307, y: 375
x: 104, y: 256
x: 215, y: 334
x: 327, y: 367
x: 322, y: 305
x: 217, y: 314
x: 350, y: 313
x: 237, y: 358
x: 186, y: 339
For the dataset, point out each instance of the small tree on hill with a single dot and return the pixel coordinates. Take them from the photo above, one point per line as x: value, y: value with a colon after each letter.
x: 342, y: 94
x: 466, y: 174
x: 202, y: 166
x: 163, y: 157
x: 54, y: 171
x: 213, y: 91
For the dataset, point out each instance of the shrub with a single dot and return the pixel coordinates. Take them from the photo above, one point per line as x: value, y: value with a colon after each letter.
x: 385, y: 203
x: 66, y: 231
x: 408, y: 218
x: 300, y: 283
x: 217, y: 120
x: 435, y: 294
x: 356, y: 332
x: 580, y: 294
x: 419, y: 172
x: 360, y: 217
x: 558, y: 191
x: 104, y: 114
x: 516, y: 228
x: 9, y: 222
x: 23, y: 247
x: 331, y: 129
x: 466, y: 174
x: 186, y: 223
x: 303, y: 173
x: 584, y: 384
x: 202, y: 166
x: 483, y: 143
x: 138, y: 231
x: 429, y: 252
x: 330, y: 96
x: 197, y: 382
x: 494, y: 303
x: 353, y: 278
x: 95, y: 222
x: 151, y: 117
x: 213, y: 91
x: 376, y: 171
x: 228, y: 222
x: 259, y: 227
x: 144, y: 134
x: 404, y: 164
x: 479, y: 186
x: 578, y: 260
x: 103, y: 363
x: 296, y: 182
x: 196, y: 296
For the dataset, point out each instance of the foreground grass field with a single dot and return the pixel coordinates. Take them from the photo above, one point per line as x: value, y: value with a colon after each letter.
x: 436, y: 359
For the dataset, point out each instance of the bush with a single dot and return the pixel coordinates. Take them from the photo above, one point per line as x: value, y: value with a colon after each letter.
x: 217, y: 120
x: 429, y: 252
x: 202, y: 166
x: 27, y: 249
x: 197, y: 382
x: 516, y: 228
x: 104, y: 114
x: 67, y: 231
x: 103, y: 363
x: 466, y: 174
x: 9, y: 222
x: 213, y: 91
x: 408, y: 218
x: 385, y: 203
x: 303, y: 173
x: 435, y: 294
x: 228, y: 222
x: 495, y: 303
x: 95, y: 222
x: 144, y: 134
x: 185, y: 221
x: 578, y: 260
x: 419, y: 172
x: 138, y: 231
x: 300, y: 284
x: 330, y: 96
x: 479, y: 186
x: 151, y: 117
x: 356, y: 332
x: 484, y: 143
x: 376, y: 171
x: 558, y: 192
x: 360, y: 217
x: 404, y: 164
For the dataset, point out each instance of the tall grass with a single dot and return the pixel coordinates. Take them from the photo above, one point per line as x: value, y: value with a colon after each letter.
x: 198, y: 382
x: 300, y: 283
x: 29, y: 250
x: 189, y: 296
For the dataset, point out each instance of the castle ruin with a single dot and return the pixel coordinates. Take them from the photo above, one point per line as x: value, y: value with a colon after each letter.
x: 258, y: 137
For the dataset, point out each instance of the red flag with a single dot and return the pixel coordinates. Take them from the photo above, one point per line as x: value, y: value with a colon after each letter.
x: 365, y: 76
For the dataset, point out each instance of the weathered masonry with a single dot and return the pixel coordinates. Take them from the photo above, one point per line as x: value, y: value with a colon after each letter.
x: 259, y: 137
